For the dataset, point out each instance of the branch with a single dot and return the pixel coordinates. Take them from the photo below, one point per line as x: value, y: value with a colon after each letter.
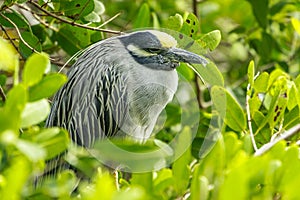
x: 9, y: 38
x: 72, y: 22
x: 2, y: 94
x: 283, y: 136
x: 19, y: 34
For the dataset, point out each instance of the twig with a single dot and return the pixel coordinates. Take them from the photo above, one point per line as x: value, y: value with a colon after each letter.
x: 249, y: 118
x: 72, y: 22
x: 283, y: 136
x: 109, y: 20
x: 19, y: 34
x: 37, y: 17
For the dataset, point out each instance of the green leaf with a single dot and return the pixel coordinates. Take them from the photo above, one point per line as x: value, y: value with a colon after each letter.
x: 104, y: 187
x: 213, y: 164
x: 254, y: 104
x: 181, y: 172
x: 186, y: 71
x: 228, y: 108
x: 199, y: 186
x: 34, y: 69
x: 14, y: 105
x: 260, y: 10
x: 72, y: 39
x: 291, y: 118
x: 175, y: 22
x: 163, y: 181
x: 94, y: 16
x: 53, y: 140
x: 143, y: 17
x: 47, y: 86
x: 155, y: 20
x: 17, y: 19
x: 251, y: 73
x: 144, y: 180
x: 35, y: 112
x: 210, y: 40
x: 261, y: 82
x: 19, y: 169
x: 152, y: 155
x: 32, y: 41
x: 275, y: 75
x: 210, y: 74
x: 292, y: 97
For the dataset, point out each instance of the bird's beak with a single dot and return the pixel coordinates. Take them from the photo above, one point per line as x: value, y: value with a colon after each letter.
x: 181, y: 55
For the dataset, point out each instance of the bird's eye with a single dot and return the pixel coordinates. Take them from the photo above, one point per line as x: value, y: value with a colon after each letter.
x: 153, y: 50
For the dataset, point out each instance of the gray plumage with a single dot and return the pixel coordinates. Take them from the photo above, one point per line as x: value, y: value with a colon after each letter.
x: 118, y: 87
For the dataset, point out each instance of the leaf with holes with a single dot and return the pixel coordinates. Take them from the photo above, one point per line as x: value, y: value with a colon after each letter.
x: 190, y: 26
x: 77, y: 8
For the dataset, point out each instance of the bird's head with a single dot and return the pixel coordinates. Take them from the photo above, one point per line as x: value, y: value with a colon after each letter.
x: 157, y: 50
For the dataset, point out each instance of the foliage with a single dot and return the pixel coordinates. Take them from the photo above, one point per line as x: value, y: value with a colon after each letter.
x: 221, y: 151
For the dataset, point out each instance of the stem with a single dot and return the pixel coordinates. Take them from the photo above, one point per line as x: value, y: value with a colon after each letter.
x: 197, y: 79
x: 2, y: 94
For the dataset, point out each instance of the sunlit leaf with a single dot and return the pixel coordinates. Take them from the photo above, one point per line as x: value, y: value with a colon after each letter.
x: 35, y: 112
x: 296, y: 24
x: 53, y: 140
x: 251, y: 72
x: 32, y: 151
x: 175, y: 22
x: 210, y: 40
x: 47, y: 86
x: 35, y: 67
x: 261, y: 82
x: 9, y: 60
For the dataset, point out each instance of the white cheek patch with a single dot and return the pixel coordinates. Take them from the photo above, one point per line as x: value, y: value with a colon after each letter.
x: 139, y: 52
